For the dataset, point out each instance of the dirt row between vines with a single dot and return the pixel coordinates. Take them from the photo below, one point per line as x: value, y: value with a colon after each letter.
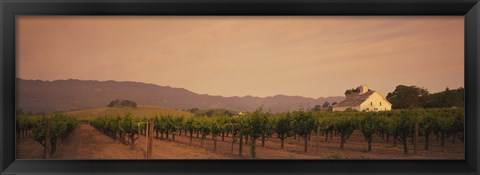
x: 86, y: 142
x: 355, y: 148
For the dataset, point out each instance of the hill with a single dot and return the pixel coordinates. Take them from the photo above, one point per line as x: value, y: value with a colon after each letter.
x: 67, y: 95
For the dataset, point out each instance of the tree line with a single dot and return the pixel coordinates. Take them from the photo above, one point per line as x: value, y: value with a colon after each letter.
x: 416, y: 97
x: 122, y: 103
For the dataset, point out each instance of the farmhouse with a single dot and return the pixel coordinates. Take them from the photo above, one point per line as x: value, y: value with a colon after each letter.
x: 364, y: 100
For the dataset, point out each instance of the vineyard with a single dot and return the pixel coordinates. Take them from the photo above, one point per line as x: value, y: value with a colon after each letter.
x: 251, y: 130
x: 48, y: 131
x: 396, y: 125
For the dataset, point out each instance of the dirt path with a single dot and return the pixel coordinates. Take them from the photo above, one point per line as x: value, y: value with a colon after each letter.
x: 355, y: 148
x: 86, y: 142
x: 225, y: 148
x: 27, y: 148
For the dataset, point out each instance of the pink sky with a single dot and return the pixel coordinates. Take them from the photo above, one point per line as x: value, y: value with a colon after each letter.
x: 237, y: 56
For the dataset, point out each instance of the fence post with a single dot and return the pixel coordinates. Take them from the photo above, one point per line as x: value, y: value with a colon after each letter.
x: 47, y: 148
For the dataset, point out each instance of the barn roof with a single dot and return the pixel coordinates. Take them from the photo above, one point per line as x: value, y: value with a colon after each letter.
x: 354, y: 99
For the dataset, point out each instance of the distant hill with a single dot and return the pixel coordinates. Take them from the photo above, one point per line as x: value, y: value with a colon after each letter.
x: 66, y: 95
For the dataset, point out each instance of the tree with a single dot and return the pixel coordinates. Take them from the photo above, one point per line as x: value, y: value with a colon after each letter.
x: 123, y: 103
x: 128, y: 103
x: 194, y: 110
x: 326, y: 105
x: 407, y: 97
x: 446, y: 99
x: 114, y: 103
x: 351, y: 91
x: 317, y: 108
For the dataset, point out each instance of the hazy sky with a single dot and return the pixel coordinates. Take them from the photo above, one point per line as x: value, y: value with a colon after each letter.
x: 238, y: 56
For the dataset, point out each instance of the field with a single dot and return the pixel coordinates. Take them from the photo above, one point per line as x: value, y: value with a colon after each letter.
x: 140, y: 111
x: 87, y: 142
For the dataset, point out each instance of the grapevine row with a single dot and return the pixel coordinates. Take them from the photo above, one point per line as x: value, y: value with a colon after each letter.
x: 259, y: 125
x: 49, y: 131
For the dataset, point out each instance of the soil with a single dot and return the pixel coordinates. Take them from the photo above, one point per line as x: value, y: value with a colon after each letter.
x: 27, y: 148
x: 86, y: 142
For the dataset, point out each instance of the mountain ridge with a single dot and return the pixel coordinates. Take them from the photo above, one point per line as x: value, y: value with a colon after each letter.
x: 73, y: 94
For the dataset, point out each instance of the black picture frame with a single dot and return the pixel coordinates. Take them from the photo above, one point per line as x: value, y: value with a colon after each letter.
x: 9, y: 9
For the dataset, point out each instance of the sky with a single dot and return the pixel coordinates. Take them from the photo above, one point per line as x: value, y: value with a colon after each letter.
x: 310, y: 56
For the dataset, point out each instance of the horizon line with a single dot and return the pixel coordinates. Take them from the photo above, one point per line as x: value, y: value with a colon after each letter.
x: 129, y: 81
x: 236, y: 96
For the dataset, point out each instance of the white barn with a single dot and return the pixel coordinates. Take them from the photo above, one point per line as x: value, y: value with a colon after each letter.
x: 364, y: 100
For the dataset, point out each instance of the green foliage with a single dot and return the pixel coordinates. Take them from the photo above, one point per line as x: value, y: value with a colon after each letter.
x: 213, y: 112
x: 397, y: 123
x: 60, y: 126
x: 325, y: 121
x: 351, y: 91
x: 188, y: 124
x: 369, y: 124
x: 406, y: 122
x: 407, y: 97
x: 446, y: 99
x: 317, y: 108
x: 345, y: 123
x: 25, y: 122
x: 282, y: 126
x: 217, y: 125
x: 326, y: 104
x: 122, y: 103
x: 303, y: 123
x: 253, y: 126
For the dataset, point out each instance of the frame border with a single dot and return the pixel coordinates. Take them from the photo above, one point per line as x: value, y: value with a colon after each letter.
x: 9, y: 9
